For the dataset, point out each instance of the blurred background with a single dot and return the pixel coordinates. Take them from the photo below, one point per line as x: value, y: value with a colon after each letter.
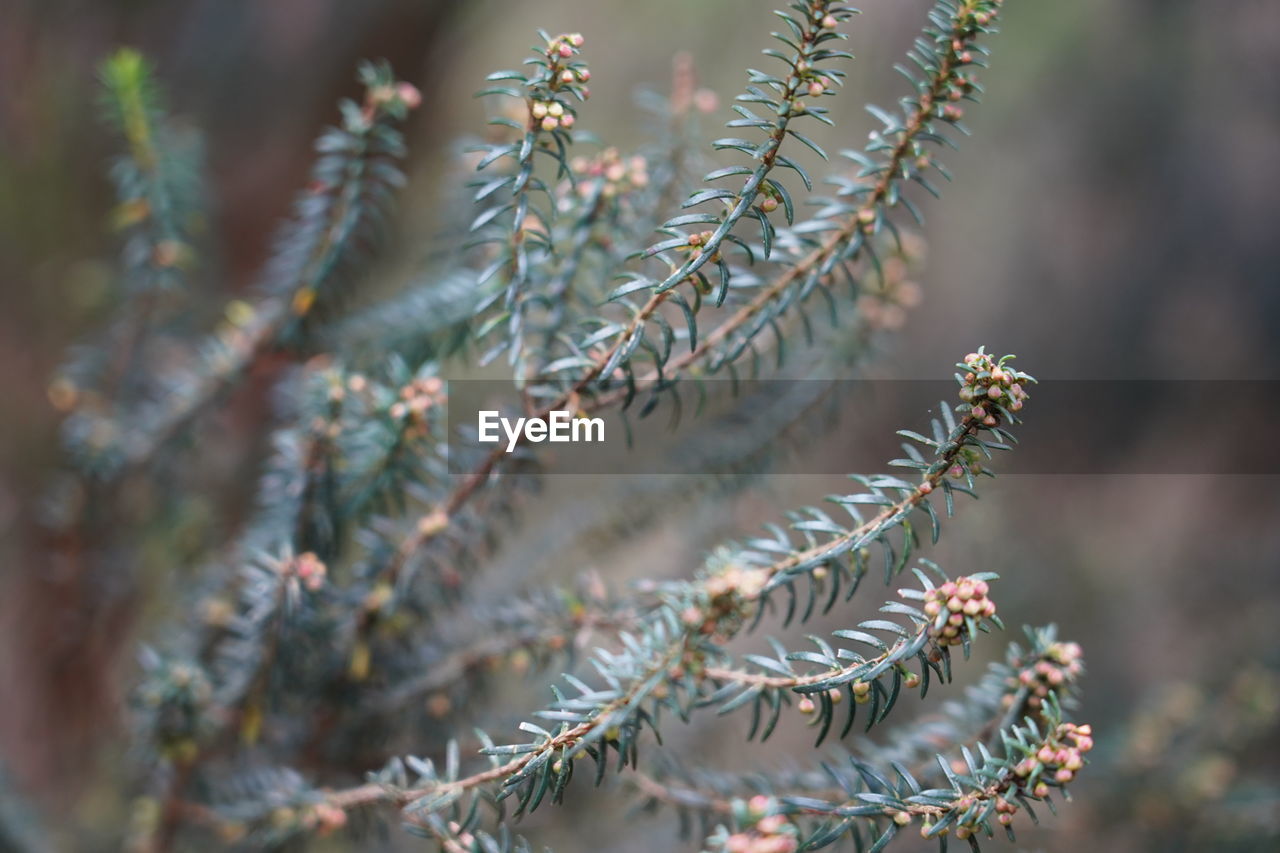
x: 1114, y: 218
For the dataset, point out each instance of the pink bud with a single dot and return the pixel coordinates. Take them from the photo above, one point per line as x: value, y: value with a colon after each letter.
x: 1063, y: 776
x: 409, y: 94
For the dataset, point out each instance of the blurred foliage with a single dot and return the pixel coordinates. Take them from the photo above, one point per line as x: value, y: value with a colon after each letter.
x: 1113, y: 220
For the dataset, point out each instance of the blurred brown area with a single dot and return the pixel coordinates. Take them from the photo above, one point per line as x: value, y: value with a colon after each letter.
x: 1113, y: 217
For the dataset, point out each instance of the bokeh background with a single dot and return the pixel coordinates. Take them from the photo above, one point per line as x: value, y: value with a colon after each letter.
x: 1114, y: 218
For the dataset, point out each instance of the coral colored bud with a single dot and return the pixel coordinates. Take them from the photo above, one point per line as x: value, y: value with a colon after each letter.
x: 990, y: 420
x: 576, y: 39
x: 769, y: 205
x: 568, y: 76
x: 806, y: 706
x: 1045, y: 754
x: 816, y: 88
x: 550, y: 123
x: 1063, y: 776
x: 409, y: 95
x: 565, y: 50
x: 956, y: 619
x: 829, y: 22
x: 1005, y: 819
x: 995, y: 392
x: 954, y: 604
x: 567, y: 120
x: 926, y: 487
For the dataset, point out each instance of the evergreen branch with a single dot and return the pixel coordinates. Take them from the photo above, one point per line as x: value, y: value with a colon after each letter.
x: 158, y: 183
x: 521, y: 630
x: 857, y: 799
x: 1029, y: 680
x: 548, y: 116
x: 666, y: 659
x: 954, y: 48
x: 335, y: 222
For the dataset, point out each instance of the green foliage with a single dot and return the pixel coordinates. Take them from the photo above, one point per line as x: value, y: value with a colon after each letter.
x: 339, y: 627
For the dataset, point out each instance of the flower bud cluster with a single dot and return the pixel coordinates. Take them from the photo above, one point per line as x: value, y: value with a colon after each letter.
x: 417, y: 399
x: 726, y: 593
x: 404, y: 95
x: 551, y: 115
x: 769, y: 199
x: 617, y: 175
x: 950, y: 605
x: 1059, y: 758
x: 766, y: 833
x: 1061, y: 665
x: 310, y: 570
x: 968, y: 461
x: 991, y: 388
x: 697, y: 240
x: 861, y: 695
x: 546, y: 109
